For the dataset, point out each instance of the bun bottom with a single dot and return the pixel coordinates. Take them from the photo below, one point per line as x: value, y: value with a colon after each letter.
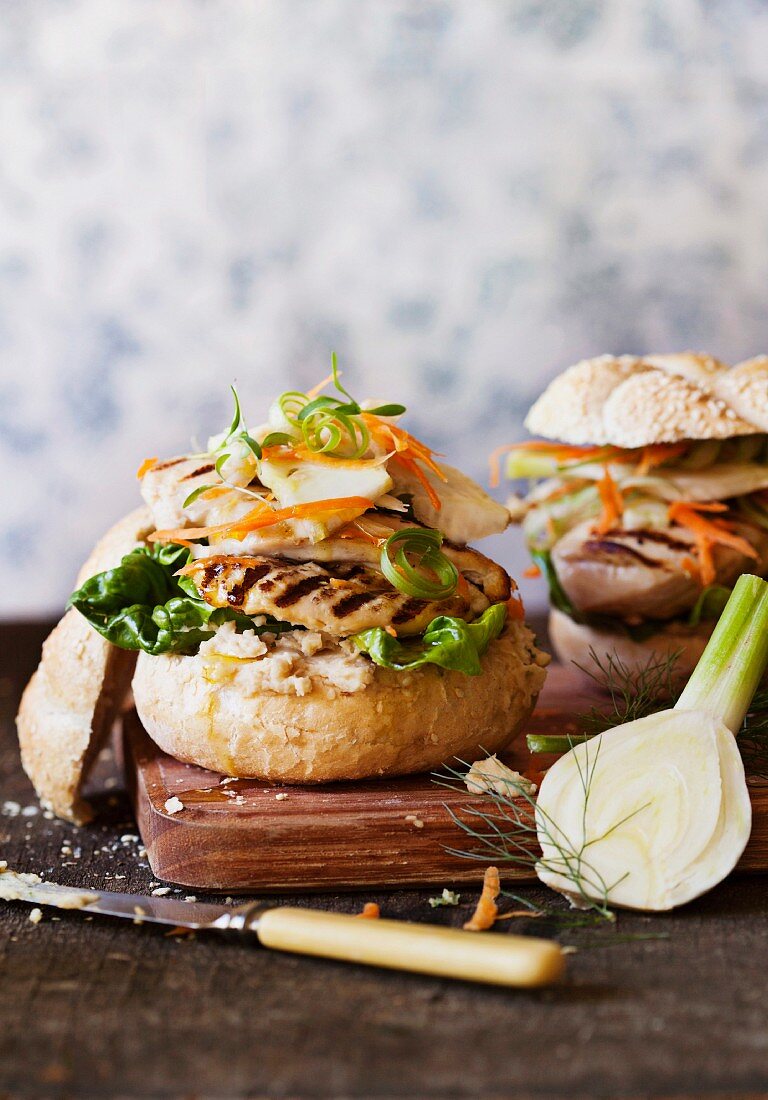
x: 398, y: 724
x: 572, y: 643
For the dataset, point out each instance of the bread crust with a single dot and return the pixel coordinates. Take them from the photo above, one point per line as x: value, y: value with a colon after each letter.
x: 696, y: 367
x: 630, y: 402
x: 399, y: 724
x: 70, y: 703
x: 657, y: 407
x: 572, y: 642
x: 571, y: 407
x: 745, y: 389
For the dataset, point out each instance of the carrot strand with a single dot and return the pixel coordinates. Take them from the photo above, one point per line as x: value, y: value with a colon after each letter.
x: 263, y: 516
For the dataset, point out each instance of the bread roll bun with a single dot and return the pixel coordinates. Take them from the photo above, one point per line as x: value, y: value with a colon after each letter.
x: 401, y: 722
x: 70, y: 703
x: 572, y: 642
x: 745, y: 389
x: 630, y: 402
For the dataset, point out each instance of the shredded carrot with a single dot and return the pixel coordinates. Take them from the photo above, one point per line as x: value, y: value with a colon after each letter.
x: 283, y: 453
x: 146, y: 465
x: 532, y: 571
x: 655, y: 453
x: 263, y: 516
x: 391, y: 631
x: 494, y: 462
x: 357, y: 531
x: 613, y: 503
x: 487, y: 910
x: 409, y: 451
x: 708, y: 533
x: 560, y: 452
x: 370, y: 911
x: 515, y: 607
x: 557, y: 450
x: 419, y: 474
x: 319, y: 387
x: 462, y: 586
x: 691, y: 568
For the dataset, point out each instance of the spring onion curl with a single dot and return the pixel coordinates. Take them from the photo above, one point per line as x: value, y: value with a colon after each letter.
x: 325, y: 425
x: 328, y: 431
x: 290, y: 404
x: 423, y: 544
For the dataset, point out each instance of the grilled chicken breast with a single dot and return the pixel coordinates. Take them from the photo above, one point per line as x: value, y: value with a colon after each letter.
x: 645, y: 573
x: 166, y: 485
x: 339, y: 598
x: 485, y: 574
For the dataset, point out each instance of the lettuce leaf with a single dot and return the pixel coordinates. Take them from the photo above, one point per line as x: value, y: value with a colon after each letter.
x: 141, y: 605
x: 448, y: 642
x: 710, y: 603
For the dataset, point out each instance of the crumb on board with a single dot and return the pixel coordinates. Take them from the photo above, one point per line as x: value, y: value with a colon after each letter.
x: 486, y: 911
x: 173, y: 805
x: 412, y: 819
x: 448, y: 897
x: 35, y: 915
x: 281, y: 797
x: 161, y: 891
x: 491, y: 776
x: 191, y: 898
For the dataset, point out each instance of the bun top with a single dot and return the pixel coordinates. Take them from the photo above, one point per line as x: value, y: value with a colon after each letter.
x: 626, y: 401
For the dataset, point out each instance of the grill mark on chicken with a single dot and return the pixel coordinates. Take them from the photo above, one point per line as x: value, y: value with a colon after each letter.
x: 167, y: 465
x: 352, y: 602
x: 597, y: 546
x: 300, y: 588
x: 410, y: 609
x: 207, y: 469
x: 644, y: 535
x: 340, y: 598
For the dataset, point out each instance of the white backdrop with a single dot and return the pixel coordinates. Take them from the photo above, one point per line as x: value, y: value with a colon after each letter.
x: 459, y: 196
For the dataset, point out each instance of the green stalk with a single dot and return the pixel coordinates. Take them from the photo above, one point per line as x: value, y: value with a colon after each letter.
x: 555, y: 742
x: 731, y: 667
x: 524, y: 464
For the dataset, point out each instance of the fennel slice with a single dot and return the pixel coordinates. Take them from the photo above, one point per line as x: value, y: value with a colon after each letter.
x: 650, y: 818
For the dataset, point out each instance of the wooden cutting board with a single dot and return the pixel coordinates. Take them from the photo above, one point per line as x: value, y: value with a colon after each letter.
x: 253, y: 837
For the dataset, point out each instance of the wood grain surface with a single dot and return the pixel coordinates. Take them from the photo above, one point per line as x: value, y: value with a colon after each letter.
x: 249, y: 836
x: 672, y: 1005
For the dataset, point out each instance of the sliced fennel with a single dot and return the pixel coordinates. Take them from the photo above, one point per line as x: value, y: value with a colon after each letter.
x: 653, y: 813
x: 302, y: 482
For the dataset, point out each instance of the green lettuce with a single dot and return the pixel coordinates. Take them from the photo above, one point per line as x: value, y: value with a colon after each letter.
x: 448, y: 642
x: 141, y: 605
x: 710, y: 603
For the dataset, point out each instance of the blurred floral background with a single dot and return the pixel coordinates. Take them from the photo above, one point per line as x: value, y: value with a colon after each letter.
x: 460, y: 197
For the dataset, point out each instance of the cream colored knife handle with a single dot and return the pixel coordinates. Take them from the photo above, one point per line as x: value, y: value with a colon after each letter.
x: 426, y: 949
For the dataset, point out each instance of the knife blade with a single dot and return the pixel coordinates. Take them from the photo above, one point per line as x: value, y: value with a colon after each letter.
x: 510, y: 960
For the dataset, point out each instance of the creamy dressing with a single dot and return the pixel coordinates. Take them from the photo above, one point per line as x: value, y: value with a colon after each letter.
x: 294, y: 663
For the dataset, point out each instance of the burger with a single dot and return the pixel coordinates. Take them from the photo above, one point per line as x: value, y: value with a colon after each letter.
x: 297, y: 603
x: 647, y: 498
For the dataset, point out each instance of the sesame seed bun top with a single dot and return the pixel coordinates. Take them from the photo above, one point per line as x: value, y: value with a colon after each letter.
x: 628, y: 401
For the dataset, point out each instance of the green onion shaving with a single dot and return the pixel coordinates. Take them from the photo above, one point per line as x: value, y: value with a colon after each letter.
x: 291, y: 404
x: 411, y: 578
x: 196, y: 493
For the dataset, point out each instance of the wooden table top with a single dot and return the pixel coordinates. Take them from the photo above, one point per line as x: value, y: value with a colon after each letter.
x: 658, y: 1006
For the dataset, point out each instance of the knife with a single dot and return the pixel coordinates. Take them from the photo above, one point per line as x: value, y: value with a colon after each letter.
x: 510, y: 960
